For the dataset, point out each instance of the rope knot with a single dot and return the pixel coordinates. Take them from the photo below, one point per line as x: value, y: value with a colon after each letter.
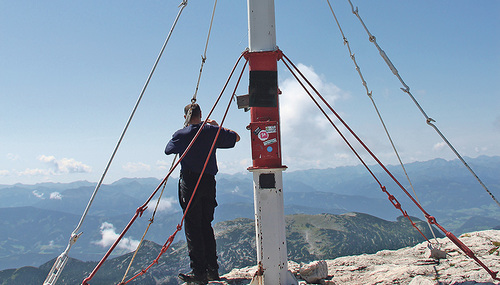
x: 406, y: 90
x: 170, y: 239
x: 431, y: 220
x: 141, y: 210
x: 395, y: 202
x: 163, y: 249
x: 384, y: 190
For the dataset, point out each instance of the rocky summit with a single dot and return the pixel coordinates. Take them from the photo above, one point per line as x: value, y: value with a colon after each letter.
x: 410, y: 265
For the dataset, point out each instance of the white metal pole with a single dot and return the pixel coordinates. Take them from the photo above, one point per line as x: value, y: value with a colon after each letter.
x: 267, y: 166
x: 270, y: 230
x: 261, y: 25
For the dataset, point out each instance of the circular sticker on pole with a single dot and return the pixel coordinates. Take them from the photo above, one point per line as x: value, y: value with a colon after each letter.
x: 263, y: 135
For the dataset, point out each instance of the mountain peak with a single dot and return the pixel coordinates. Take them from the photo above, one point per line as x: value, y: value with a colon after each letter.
x: 409, y: 265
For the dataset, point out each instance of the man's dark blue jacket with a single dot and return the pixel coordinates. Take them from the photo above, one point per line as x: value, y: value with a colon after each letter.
x: 197, y: 154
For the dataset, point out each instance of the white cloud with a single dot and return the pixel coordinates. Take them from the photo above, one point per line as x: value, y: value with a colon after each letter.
x: 308, y: 138
x: 51, y: 166
x: 55, y: 196
x: 136, y: 167
x: 439, y: 146
x: 168, y: 205
x: 52, y: 245
x: 64, y: 165
x: 236, y: 190
x: 35, y: 171
x: 481, y: 149
x: 163, y: 165
x: 38, y: 194
x: 245, y: 162
x: 56, y: 167
x: 109, y: 236
x: 231, y: 165
x: 12, y: 157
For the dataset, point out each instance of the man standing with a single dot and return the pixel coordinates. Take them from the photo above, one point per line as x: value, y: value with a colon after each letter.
x: 198, y: 222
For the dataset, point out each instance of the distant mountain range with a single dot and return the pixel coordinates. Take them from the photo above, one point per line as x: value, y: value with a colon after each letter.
x: 309, y: 237
x: 36, y: 220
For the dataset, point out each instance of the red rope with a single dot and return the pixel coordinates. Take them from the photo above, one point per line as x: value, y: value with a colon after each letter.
x: 142, y: 208
x: 179, y: 227
x: 431, y: 219
x: 391, y: 197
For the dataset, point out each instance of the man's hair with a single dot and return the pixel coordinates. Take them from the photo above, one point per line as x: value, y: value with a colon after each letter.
x: 195, y: 110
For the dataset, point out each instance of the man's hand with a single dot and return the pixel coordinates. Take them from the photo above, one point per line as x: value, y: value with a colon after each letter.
x: 212, y: 122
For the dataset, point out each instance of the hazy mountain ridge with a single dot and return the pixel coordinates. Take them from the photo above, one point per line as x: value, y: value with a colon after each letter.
x: 333, y: 235
x: 31, y: 236
x: 446, y: 189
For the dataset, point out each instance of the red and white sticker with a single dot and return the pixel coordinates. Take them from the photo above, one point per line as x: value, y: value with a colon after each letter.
x: 263, y: 135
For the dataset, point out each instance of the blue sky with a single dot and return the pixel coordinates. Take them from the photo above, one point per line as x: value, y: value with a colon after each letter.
x: 71, y: 71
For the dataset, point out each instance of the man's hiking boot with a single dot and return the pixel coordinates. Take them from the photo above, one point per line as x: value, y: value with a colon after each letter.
x: 213, y: 275
x: 193, y: 278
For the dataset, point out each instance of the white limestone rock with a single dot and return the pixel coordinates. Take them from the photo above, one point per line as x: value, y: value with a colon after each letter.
x: 411, y: 265
x: 404, y: 265
x: 314, y: 272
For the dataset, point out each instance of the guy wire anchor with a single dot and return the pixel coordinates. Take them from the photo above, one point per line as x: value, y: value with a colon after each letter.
x: 60, y: 263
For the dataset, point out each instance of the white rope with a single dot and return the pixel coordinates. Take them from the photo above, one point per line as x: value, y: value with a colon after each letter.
x: 406, y: 89
x: 204, y: 56
x: 151, y: 221
x: 61, y: 261
x: 186, y: 123
x: 369, y: 93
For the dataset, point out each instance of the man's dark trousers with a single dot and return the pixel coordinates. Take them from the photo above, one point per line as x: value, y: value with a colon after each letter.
x: 198, y: 223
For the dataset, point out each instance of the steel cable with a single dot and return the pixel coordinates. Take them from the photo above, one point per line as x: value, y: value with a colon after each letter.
x: 406, y: 89
x: 61, y: 261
